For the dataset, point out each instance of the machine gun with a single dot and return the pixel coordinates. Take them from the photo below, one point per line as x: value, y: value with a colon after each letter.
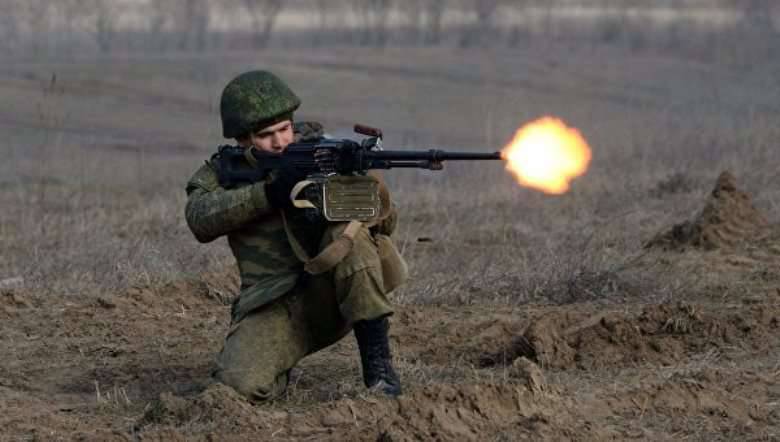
x: 337, y: 183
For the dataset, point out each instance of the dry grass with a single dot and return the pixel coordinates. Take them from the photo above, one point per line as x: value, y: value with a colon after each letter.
x: 96, y: 159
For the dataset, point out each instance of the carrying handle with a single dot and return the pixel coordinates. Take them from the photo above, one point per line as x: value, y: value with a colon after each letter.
x: 369, y: 131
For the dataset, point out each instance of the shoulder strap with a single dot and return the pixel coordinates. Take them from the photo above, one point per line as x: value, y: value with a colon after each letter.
x: 331, y: 255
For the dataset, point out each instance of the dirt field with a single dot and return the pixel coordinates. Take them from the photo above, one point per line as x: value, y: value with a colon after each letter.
x: 644, y: 304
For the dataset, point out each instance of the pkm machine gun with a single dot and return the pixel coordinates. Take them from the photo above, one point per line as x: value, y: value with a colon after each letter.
x: 337, y: 183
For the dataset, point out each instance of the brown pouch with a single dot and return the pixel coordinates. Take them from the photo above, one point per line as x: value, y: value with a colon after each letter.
x: 394, y: 268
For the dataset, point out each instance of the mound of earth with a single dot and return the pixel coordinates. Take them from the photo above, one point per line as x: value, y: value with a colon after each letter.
x: 217, y: 403
x: 720, y: 404
x: 728, y: 218
x: 436, y: 412
x: 659, y: 334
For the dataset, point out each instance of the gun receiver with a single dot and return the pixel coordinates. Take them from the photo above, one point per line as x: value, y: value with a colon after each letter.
x: 326, y: 156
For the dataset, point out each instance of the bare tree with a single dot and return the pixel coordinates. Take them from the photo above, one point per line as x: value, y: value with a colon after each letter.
x: 434, y: 13
x: 36, y: 15
x: 106, y: 15
x: 520, y: 32
x: 413, y: 11
x: 485, y: 11
x: 159, y: 12
x: 9, y: 27
x: 201, y: 18
x: 758, y: 14
x: 324, y: 7
x: 191, y: 21
x: 74, y: 16
x: 372, y: 16
x: 264, y: 14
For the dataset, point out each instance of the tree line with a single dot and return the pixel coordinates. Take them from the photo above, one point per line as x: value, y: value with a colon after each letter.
x: 44, y: 27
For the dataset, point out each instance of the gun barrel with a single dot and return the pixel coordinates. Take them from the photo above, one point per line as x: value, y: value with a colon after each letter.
x: 432, y: 155
x: 467, y: 156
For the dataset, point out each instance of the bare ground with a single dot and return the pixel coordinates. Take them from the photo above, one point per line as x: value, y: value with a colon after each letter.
x: 135, y: 365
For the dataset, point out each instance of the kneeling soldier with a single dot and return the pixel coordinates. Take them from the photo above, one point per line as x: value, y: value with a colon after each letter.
x: 283, y: 312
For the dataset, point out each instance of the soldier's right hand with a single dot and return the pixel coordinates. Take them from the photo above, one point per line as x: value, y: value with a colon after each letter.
x: 278, y: 191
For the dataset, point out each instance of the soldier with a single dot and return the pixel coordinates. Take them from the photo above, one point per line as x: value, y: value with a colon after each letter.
x: 282, y: 312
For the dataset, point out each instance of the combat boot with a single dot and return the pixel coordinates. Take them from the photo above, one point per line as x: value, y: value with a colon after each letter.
x: 375, y: 357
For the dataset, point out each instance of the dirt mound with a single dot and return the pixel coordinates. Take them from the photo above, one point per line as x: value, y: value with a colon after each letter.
x: 692, y: 395
x: 718, y: 404
x: 13, y: 303
x: 728, y: 218
x: 440, y: 412
x: 217, y: 403
x: 660, y: 334
x: 456, y: 334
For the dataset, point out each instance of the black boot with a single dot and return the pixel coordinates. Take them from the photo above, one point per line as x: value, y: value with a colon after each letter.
x: 378, y: 372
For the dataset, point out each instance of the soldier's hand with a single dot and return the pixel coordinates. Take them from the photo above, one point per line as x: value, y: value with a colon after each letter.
x: 278, y: 191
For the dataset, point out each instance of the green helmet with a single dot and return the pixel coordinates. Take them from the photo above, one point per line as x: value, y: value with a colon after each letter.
x: 254, y: 100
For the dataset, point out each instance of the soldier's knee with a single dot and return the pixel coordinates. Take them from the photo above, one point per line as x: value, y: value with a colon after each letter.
x: 364, y: 242
x: 363, y: 255
x: 255, y: 390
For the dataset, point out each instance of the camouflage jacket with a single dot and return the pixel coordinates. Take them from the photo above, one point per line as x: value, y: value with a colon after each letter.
x: 267, y: 264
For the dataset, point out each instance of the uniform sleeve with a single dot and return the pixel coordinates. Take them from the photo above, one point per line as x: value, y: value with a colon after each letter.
x: 307, y: 131
x: 213, y: 211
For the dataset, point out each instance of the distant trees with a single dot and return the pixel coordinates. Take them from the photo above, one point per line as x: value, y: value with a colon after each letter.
x: 485, y: 11
x: 191, y: 24
x: 372, y: 18
x: 106, y: 14
x: 98, y: 17
x: 377, y: 21
x: 263, y: 14
x: 157, y: 16
x: 9, y: 26
x: 36, y: 17
x: 757, y: 14
x: 44, y: 27
x: 186, y: 21
x: 434, y: 12
x: 424, y: 20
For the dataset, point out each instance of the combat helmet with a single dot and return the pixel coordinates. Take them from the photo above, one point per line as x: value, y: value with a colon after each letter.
x: 254, y: 100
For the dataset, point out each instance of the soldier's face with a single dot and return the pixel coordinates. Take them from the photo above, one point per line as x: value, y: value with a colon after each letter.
x: 272, y: 139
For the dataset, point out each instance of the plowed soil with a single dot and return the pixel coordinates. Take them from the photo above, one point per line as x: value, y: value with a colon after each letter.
x: 135, y: 365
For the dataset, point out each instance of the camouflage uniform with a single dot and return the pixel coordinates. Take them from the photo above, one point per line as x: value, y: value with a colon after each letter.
x: 282, y: 313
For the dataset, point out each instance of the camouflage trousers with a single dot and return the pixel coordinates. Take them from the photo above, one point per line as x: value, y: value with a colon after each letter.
x: 260, y: 350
